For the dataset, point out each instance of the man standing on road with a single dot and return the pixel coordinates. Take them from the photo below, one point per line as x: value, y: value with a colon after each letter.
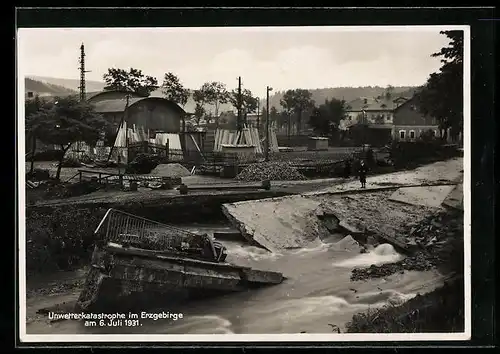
x: 362, y: 174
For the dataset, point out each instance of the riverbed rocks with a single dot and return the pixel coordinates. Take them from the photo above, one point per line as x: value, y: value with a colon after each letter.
x: 274, y: 171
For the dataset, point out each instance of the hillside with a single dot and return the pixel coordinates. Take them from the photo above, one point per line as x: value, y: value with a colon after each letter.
x: 71, y: 84
x: 61, y: 86
x: 42, y: 88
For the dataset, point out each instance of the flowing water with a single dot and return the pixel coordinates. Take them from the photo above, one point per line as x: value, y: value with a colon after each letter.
x: 317, y: 292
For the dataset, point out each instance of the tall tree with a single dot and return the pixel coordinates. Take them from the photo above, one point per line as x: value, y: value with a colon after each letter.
x: 132, y: 80
x: 297, y: 101
x: 173, y: 89
x: 248, y: 101
x: 67, y: 122
x: 214, y: 93
x: 442, y: 95
x: 326, y: 118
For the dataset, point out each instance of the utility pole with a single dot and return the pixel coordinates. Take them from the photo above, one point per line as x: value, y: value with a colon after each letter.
x: 82, y: 73
x: 266, y: 152
x: 258, y: 115
x: 239, y: 125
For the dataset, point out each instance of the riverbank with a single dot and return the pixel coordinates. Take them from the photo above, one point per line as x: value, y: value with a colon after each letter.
x: 439, y: 311
x: 442, y: 310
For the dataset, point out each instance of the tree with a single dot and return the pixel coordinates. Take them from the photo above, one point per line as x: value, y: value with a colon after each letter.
x: 31, y: 108
x: 199, y: 112
x: 249, y: 103
x: 297, y: 101
x: 133, y: 80
x: 214, y: 93
x: 442, y: 95
x: 173, y: 89
x: 66, y: 122
x: 326, y: 118
x: 389, y: 91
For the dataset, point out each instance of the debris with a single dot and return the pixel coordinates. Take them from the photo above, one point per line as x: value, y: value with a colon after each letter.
x: 173, y: 170
x: 274, y: 171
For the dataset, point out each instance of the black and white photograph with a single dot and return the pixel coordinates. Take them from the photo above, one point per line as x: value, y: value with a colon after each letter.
x: 274, y: 184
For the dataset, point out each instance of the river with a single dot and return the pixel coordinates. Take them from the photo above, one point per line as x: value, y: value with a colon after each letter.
x: 317, y: 293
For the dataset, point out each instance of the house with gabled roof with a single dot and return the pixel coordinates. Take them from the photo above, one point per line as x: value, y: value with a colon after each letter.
x: 409, y: 123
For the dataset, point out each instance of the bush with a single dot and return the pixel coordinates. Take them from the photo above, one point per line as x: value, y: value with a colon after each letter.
x: 404, y: 153
x: 143, y: 163
x: 60, y: 239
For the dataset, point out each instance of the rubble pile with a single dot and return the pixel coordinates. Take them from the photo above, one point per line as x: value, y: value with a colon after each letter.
x: 172, y: 170
x: 274, y: 171
x: 418, y: 262
x: 437, y: 240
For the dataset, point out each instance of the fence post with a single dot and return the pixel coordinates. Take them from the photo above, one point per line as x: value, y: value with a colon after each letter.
x: 80, y: 176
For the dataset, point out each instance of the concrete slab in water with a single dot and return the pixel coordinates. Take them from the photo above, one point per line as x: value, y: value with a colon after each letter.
x: 277, y: 223
x: 425, y: 196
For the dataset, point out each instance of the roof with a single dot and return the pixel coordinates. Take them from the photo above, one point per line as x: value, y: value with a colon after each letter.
x: 411, y: 100
x: 119, y: 104
x: 372, y: 104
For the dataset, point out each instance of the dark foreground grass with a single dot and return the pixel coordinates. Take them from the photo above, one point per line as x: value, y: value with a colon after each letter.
x: 441, y: 310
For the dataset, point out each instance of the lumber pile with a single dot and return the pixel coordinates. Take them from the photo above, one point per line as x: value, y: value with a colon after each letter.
x: 247, y: 137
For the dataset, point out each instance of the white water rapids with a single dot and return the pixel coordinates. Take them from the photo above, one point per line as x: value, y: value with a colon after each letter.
x: 316, y: 293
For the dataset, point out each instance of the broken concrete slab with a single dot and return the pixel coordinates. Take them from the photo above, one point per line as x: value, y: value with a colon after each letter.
x: 277, y: 223
x: 431, y: 197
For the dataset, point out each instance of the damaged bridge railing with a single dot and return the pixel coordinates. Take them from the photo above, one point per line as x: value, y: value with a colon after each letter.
x: 122, y: 228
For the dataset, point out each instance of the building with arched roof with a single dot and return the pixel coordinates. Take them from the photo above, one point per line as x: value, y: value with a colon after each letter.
x: 155, y: 114
x: 94, y: 97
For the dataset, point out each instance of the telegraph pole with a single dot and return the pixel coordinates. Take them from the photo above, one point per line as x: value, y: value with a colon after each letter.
x: 239, y: 125
x: 82, y: 73
x: 258, y: 115
x: 266, y: 152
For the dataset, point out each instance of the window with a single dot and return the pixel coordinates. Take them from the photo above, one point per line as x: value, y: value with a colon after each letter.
x: 412, y: 134
x: 402, y: 134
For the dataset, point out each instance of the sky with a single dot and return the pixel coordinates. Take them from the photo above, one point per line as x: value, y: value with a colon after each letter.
x: 283, y: 58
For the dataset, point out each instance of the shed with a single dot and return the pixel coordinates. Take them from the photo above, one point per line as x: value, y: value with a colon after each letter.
x: 149, y: 113
x: 317, y: 143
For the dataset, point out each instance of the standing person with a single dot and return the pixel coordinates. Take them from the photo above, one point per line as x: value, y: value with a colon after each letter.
x: 362, y: 174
